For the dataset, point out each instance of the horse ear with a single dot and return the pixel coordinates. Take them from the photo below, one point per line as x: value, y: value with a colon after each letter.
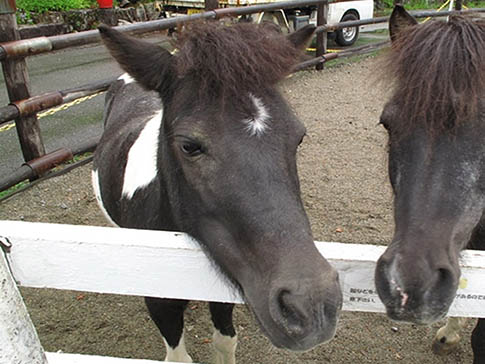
x: 302, y: 36
x: 147, y: 63
x: 400, y: 19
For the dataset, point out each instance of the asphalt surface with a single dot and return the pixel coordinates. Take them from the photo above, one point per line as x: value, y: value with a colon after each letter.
x: 59, y: 71
x: 62, y: 70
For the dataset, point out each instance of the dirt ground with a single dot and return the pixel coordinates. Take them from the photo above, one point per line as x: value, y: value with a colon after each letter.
x: 342, y: 166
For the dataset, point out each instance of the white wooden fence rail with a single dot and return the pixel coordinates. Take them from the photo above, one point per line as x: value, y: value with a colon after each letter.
x: 171, y: 264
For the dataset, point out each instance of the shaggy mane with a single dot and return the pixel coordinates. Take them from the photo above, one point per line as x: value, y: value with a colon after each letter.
x: 438, y: 72
x: 227, y: 60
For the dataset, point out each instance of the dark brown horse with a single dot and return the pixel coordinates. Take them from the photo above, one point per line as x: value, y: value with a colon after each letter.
x: 436, y: 124
x: 202, y: 142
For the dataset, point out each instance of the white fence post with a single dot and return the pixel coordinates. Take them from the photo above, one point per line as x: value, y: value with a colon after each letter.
x: 19, y: 342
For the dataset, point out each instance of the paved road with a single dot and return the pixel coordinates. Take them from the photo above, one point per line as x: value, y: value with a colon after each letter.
x: 57, y: 71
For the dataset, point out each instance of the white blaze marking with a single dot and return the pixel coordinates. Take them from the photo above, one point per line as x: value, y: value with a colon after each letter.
x: 141, y: 166
x: 126, y: 78
x: 257, y: 124
x: 179, y: 353
x: 97, y: 193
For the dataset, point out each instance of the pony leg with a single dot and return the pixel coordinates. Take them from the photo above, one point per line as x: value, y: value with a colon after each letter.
x: 224, y: 339
x: 168, y: 315
x: 478, y: 342
x: 448, y: 336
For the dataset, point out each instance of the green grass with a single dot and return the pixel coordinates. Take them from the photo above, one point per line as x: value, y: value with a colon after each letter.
x: 423, y: 4
x: 12, y: 189
x: 384, y: 7
x: 75, y: 159
x: 352, y: 59
x: 80, y: 157
x: 476, y: 4
x: 347, y: 60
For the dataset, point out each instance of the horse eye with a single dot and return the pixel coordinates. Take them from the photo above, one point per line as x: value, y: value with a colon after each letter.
x: 191, y: 149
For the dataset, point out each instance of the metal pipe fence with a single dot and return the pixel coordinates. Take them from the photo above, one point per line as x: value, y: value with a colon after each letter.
x: 30, y: 106
x: 28, y: 47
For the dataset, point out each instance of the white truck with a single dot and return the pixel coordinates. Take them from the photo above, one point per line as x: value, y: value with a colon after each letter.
x: 289, y: 19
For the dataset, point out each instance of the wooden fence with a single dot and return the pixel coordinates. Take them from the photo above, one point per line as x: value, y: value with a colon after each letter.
x: 160, y: 264
x: 24, y: 108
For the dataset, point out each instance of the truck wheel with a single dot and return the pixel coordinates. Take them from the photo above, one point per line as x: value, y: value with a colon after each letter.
x: 347, y: 36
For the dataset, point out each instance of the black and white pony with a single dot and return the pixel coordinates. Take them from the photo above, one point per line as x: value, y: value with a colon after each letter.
x: 436, y: 124
x: 202, y: 142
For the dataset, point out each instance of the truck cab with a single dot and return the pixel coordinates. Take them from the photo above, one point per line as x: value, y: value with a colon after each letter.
x: 290, y: 19
x: 347, y: 11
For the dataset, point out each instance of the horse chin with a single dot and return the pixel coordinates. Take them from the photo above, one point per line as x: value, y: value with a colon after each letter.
x: 418, y: 317
x: 297, y: 343
x: 418, y: 291
x: 295, y: 322
x: 415, y: 307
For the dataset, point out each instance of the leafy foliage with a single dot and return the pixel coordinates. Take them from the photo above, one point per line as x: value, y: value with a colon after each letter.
x: 384, y: 7
x: 40, y: 6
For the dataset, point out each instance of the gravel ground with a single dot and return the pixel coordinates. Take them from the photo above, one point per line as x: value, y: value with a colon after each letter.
x: 342, y: 166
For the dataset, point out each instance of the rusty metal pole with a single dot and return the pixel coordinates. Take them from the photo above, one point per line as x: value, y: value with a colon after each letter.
x: 17, y: 82
x: 322, y: 11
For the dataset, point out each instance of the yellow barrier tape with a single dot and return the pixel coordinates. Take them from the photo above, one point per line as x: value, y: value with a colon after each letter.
x: 439, y: 9
x: 328, y: 50
x: 66, y: 106
x: 193, y: 11
x: 7, y: 127
x: 54, y: 110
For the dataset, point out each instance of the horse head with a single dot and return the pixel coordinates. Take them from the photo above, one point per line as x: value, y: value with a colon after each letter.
x: 227, y: 173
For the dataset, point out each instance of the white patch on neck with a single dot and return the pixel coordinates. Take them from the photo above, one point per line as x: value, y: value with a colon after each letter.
x: 126, y: 78
x: 97, y: 193
x: 258, y: 124
x: 141, y: 166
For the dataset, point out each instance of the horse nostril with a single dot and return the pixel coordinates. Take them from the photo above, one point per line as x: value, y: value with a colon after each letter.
x: 446, y: 280
x: 290, y: 312
x: 284, y: 307
x: 445, y: 276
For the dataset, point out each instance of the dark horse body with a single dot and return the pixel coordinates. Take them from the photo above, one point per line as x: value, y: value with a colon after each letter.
x: 203, y: 143
x: 436, y: 125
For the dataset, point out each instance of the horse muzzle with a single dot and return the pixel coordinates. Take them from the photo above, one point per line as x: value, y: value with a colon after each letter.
x: 415, y: 291
x: 300, y: 314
